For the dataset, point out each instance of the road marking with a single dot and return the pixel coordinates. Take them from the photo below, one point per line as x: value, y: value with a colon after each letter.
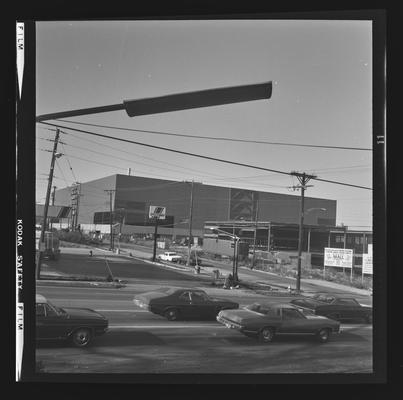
x: 349, y: 327
x: 163, y: 326
x: 136, y: 311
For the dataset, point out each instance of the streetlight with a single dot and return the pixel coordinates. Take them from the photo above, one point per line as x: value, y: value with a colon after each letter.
x: 235, y: 261
x: 176, y: 102
x: 301, y: 226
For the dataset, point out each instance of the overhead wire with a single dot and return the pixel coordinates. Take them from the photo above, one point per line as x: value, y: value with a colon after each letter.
x: 217, y: 138
x: 204, y: 157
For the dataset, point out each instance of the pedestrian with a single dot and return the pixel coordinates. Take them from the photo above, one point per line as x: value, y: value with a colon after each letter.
x: 90, y: 253
x: 229, y: 281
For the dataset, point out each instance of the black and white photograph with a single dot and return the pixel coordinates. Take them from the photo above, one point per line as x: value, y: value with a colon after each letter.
x: 208, y: 198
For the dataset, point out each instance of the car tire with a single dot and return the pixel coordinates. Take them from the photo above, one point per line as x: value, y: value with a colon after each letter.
x: 81, y: 337
x: 323, y: 335
x: 266, y: 334
x: 172, y: 314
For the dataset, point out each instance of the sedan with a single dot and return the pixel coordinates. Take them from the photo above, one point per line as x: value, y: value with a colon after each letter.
x: 79, y: 325
x: 335, y: 307
x: 182, y: 303
x: 264, y: 321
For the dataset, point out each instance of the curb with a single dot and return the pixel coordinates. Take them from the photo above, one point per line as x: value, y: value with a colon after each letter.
x: 77, y: 283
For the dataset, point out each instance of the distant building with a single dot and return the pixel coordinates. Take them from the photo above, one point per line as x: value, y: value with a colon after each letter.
x: 283, y: 237
x: 132, y: 196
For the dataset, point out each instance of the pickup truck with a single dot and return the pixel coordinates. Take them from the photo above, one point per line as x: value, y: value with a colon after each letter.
x: 170, y: 256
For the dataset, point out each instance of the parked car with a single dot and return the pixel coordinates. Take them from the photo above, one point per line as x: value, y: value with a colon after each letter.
x: 335, y: 307
x: 182, y: 303
x: 79, y: 325
x: 264, y: 321
x: 170, y: 256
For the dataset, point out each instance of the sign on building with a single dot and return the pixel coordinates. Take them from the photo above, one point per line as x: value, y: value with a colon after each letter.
x: 338, y: 257
x: 157, y: 212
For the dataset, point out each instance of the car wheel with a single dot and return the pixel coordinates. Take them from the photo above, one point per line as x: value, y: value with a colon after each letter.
x: 368, y: 318
x: 172, y: 314
x: 81, y: 337
x: 266, y: 334
x: 323, y: 335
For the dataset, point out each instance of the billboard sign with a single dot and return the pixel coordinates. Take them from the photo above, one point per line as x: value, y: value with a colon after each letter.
x: 367, y: 264
x: 157, y: 212
x: 338, y: 257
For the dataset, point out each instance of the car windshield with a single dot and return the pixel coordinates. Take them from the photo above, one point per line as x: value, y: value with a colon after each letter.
x: 260, y: 308
x: 324, y: 298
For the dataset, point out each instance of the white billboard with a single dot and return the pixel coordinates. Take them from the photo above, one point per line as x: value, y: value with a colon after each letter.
x: 157, y: 212
x: 367, y: 264
x: 338, y: 257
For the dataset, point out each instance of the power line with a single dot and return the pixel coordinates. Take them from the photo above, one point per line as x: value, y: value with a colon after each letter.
x: 202, y: 156
x: 71, y: 168
x: 131, y: 161
x: 219, y: 138
x: 137, y: 155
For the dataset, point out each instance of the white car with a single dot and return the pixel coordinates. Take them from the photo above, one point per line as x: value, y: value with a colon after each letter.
x: 170, y: 256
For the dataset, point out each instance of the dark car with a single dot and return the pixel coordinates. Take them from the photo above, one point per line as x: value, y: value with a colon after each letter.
x: 182, y: 303
x: 79, y: 325
x: 264, y: 321
x: 335, y: 307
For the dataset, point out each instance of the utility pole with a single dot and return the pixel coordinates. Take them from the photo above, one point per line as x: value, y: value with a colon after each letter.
x: 45, y: 211
x: 190, y: 224
x: 110, y: 191
x: 155, y: 237
x: 53, y: 195
x: 303, y: 179
x: 255, y: 233
x: 78, y: 203
x: 53, y: 203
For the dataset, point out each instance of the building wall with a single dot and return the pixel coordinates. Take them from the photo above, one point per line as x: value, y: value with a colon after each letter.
x: 135, y: 194
x: 93, y: 198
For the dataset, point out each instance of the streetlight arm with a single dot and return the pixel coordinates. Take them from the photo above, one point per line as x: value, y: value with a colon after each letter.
x: 175, y: 102
x: 198, y: 99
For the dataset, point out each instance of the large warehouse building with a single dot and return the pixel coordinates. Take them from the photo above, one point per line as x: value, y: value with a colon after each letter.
x: 127, y: 199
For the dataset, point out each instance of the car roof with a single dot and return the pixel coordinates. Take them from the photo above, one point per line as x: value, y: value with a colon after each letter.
x: 40, y: 298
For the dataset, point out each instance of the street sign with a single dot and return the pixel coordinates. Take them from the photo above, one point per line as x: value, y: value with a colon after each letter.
x: 338, y: 257
x: 367, y: 264
x: 157, y: 212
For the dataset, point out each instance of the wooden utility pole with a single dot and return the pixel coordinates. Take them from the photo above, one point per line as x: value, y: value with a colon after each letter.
x: 45, y: 210
x: 255, y: 233
x: 110, y: 191
x: 190, y: 224
x: 303, y: 180
x: 155, y: 237
x: 53, y: 203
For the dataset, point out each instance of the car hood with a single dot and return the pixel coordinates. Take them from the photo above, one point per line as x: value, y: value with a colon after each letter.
x: 147, y: 297
x: 83, y: 313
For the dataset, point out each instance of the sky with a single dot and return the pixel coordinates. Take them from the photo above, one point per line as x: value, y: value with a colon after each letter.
x: 322, y: 95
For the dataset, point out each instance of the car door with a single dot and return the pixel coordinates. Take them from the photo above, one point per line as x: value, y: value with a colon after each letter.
x: 49, y: 323
x: 184, y: 304
x: 293, y: 321
x: 349, y: 308
x: 201, y: 306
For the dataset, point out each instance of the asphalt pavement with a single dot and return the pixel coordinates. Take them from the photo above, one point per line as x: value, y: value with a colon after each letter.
x: 249, y: 280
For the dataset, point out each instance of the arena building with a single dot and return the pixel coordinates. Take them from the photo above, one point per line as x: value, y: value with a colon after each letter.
x: 126, y: 200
